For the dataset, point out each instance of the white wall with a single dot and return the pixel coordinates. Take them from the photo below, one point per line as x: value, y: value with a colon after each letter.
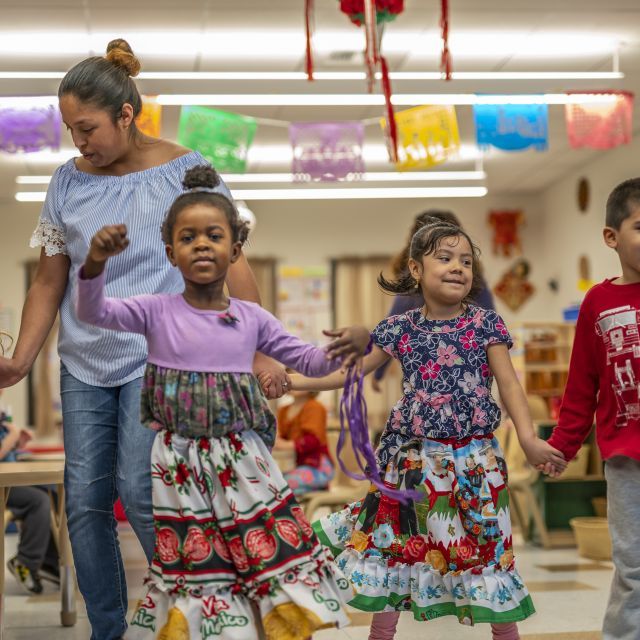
x: 310, y: 233
x: 569, y: 233
x: 17, y: 221
x: 314, y: 232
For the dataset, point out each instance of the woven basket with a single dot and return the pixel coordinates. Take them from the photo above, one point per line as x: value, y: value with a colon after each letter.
x: 592, y: 537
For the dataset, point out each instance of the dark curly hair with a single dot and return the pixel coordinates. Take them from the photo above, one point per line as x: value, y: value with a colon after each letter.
x: 198, y: 182
x: 424, y: 242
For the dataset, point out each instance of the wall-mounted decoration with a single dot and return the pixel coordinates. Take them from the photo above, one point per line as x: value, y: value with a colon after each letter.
x: 584, y: 273
x: 512, y: 127
x: 583, y: 194
x: 327, y: 151
x: 506, y: 238
x: 514, y: 288
x: 222, y: 138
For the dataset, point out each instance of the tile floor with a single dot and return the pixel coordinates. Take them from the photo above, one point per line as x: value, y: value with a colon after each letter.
x: 569, y: 592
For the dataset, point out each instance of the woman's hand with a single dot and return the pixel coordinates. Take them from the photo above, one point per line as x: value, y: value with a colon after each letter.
x: 11, y: 372
x: 108, y: 242
x: 544, y: 457
x: 350, y: 344
x: 272, y: 376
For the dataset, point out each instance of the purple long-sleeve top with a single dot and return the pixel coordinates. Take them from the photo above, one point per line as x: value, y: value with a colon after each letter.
x: 180, y: 336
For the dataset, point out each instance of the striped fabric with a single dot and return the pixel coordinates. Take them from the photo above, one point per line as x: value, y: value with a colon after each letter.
x: 77, y: 205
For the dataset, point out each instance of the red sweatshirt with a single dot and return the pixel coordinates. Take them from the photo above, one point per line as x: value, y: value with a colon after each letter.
x: 604, y: 376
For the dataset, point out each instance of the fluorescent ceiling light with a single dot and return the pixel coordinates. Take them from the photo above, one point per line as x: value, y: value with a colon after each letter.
x: 243, y: 76
x: 370, y: 176
x: 263, y: 154
x: 362, y: 99
x: 326, y: 194
x: 288, y: 43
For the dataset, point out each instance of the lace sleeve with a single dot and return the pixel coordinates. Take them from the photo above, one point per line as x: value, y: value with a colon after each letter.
x: 50, y: 237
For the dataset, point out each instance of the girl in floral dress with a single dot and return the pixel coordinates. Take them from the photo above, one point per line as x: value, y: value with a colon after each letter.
x: 449, y: 550
x: 233, y: 548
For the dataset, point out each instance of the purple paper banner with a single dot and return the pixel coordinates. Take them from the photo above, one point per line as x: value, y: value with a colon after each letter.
x: 327, y: 151
x: 30, y: 129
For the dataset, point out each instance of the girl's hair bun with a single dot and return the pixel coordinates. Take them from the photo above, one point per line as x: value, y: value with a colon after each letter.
x: 120, y: 54
x: 201, y: 175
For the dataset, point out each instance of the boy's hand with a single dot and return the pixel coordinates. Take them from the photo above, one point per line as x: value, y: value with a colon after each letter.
x: 350, y: 344
x: 544, y: 457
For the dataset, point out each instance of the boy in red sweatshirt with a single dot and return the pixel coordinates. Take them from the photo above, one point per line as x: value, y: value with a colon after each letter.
x: 604, y: 378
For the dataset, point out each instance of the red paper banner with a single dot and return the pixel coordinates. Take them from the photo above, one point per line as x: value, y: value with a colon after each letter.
x: 604, y: 123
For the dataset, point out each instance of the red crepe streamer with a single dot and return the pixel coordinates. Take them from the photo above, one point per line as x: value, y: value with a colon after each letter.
x: 445, y: 60
x: 308, y: 11
x: 371, y: 43
x: 391, y: 118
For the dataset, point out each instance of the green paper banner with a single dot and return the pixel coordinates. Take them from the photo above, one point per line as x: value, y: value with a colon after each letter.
x: 222, y: 138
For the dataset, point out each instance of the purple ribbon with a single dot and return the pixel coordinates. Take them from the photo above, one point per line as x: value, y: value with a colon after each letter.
x: 353, y: 416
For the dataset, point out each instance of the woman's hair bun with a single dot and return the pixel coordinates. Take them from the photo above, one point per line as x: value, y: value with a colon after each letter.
x: 120, y: 54
x: 201, y: 175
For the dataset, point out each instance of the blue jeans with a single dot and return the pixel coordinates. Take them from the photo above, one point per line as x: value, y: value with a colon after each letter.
x: 108, y: 454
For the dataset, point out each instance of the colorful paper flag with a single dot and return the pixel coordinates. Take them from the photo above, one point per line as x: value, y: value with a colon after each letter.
x: 29, y: 129
x: 602, y: 124
x: 427, y: 135
x: 327, y: 151
x: 149, y: 121
x: 512, y: 127
x: 222, y: 138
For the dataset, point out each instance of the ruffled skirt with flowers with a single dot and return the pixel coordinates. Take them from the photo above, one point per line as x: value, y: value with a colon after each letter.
x: 449, y: 553
x: 234, y: 550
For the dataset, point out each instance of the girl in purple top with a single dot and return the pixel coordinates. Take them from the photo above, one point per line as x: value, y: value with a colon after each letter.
x: 233, y: 549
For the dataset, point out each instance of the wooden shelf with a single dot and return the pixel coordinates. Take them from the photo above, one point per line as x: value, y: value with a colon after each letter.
x: 591, y: 477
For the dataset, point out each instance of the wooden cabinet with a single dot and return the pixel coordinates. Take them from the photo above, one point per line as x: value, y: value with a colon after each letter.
x: 541, y: 355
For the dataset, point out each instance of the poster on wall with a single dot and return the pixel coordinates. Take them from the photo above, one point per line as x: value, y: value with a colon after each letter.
x: 304, y: 301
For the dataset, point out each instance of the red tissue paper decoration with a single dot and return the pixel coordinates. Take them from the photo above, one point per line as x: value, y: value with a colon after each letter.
x: 386, y: 10
x: 505, y: 231
x: 602, y: 124
x: 308, y: 24
x: 445, y: 60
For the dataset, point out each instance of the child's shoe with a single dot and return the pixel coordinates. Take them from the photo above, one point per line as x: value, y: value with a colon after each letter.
x: 28, y: 581
x: 50, y: 573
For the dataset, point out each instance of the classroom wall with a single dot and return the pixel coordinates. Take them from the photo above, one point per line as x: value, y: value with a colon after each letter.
x: 311, y: 233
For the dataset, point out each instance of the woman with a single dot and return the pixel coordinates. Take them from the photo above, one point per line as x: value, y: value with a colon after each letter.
x: 123, y: 176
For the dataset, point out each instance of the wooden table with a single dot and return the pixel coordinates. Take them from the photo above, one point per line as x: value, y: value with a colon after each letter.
x: 28, y: 473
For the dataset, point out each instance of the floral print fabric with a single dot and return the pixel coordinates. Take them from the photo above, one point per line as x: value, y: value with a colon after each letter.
x: 194, y: 404
x: 446, y: 376
x: 449, y: 553
x: 232, y: 544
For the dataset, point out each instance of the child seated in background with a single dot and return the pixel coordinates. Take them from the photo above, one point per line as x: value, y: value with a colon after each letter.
x: 302, y: 427
x: 37, y: 556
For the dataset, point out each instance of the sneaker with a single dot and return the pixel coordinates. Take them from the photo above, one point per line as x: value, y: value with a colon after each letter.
x: 50, y: 572
x: 28, y: 581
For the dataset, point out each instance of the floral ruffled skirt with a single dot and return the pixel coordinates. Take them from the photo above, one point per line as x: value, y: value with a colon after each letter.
x: 448, y: 553
x: 194, y: 404
x: 233, y: 548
